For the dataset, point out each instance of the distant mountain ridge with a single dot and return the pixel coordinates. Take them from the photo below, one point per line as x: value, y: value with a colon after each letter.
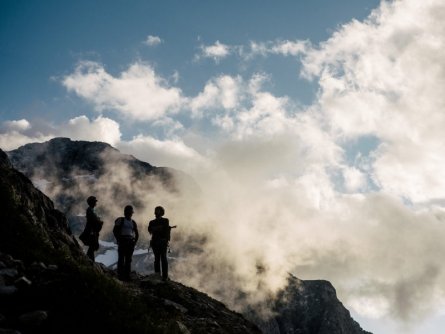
x: 69, y: 171
x: 66, y: 156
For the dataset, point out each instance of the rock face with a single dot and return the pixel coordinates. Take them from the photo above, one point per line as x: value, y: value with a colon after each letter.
x: 47, y: 284
x: 306, y: 307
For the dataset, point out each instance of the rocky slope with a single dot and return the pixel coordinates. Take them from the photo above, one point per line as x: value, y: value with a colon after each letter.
x: 47, y: 285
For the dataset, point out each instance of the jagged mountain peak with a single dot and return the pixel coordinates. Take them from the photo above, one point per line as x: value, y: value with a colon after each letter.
x: 69, y: 171
x: 313, y: 307
x: 64, y: 156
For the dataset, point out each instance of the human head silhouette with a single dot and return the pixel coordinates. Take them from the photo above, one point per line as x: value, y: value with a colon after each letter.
x: 92, y: 200
x: 159, y: 211
x: 128, y: 211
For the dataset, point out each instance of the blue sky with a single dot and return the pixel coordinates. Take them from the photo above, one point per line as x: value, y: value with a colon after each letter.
x: 44, y: 41
x: 329, y: 113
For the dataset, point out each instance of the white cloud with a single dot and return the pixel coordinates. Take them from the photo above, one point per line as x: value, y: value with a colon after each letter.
x: 170, y: 153
x: 216, y: 51
x: 221, y: 92
x: 289, y: 48
x: 14, y: 139
x: 138, y: 93
x: 17, y: 125
x: 153, y: 40
x: 246, y: 107
x: 100, y: 129
x: 285, y: 48
x: 354, y: 179
x: 385, y: 77
x: 278, y: 47
x: 241, y: 108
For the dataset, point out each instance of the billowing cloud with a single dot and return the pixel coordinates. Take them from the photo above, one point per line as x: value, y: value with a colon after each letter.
x: 153, y: 40
x: 100, y: 129
x: 385, y: 77
x: 16, y: 125
x: 222, y: 92
x: 170, y: 153
x: 138, y: 93
x: 381, y: 78
x: 13, y: 139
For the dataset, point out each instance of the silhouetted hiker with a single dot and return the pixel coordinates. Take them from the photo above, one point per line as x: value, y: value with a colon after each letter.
x: 126, y: 232
x: 159, y: 229
x: 92, y: 228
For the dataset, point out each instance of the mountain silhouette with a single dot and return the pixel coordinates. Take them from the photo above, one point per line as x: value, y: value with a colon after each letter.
x: 69, y: 171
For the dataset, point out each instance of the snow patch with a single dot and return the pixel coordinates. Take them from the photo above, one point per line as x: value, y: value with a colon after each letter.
x: 108, y: 258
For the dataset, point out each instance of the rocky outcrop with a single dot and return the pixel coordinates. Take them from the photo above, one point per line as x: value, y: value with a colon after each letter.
x: 312, y: 306
x: 304, y: 307
x: 47, y: 284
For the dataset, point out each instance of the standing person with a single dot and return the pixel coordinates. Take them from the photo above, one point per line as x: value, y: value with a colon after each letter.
x: 92, y: 227
x: 159, y: 229
x: 126, y: 233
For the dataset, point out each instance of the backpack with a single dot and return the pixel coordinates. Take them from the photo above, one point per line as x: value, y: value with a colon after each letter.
x: 118, y: 226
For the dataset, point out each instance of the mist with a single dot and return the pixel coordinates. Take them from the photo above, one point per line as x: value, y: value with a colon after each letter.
x: 251, y: 222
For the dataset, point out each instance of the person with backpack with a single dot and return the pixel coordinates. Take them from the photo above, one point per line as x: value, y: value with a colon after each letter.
x: 92, y: 228
x: 159, y: 229
x: 126, y: 233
